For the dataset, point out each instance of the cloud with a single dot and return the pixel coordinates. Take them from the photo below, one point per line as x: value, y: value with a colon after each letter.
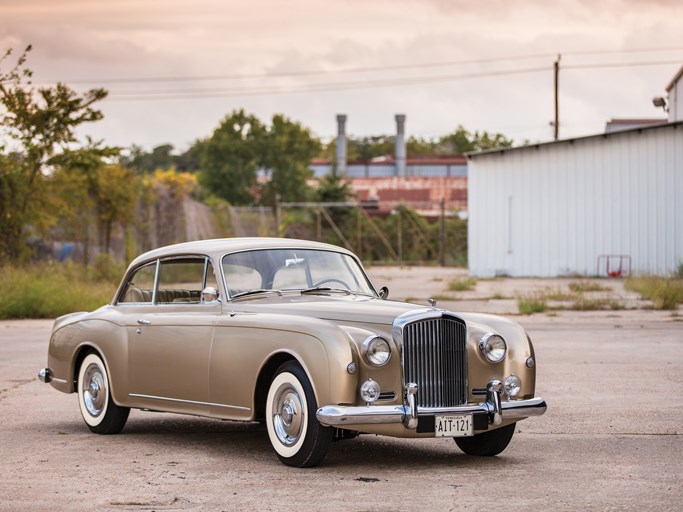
x: 75, y: 39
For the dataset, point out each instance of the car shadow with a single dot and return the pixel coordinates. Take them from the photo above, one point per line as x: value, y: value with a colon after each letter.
x: 240, y: 441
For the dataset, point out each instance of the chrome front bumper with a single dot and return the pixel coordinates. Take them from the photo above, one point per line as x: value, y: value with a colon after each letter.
x: 45, y: 375
x: 407, y: 414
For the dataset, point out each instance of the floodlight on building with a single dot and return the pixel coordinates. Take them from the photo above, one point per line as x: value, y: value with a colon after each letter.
x: 660, y: 102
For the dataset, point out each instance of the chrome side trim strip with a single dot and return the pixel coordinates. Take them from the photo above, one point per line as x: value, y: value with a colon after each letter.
x: 179, y: 400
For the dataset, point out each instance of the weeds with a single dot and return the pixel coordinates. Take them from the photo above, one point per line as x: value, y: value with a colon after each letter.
x: 532, y: 304
x: 587, y: 286
x: 584, y: 304
x: 444, y: 297
x: 664, y: 293
x: 462, y: 285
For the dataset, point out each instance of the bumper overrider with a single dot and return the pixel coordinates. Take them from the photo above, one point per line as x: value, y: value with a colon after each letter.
x: 408, y: 413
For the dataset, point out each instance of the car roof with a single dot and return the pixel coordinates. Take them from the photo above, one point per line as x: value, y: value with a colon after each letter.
x: 219, y: 246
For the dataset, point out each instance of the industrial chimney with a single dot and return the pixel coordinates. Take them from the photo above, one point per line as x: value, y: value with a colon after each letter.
x: 341, y: 145
x: 400, y: 145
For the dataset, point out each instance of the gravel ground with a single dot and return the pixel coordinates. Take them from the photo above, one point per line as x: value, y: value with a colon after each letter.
x: 611, y: 439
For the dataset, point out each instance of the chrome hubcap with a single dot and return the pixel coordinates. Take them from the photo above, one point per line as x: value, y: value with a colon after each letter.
x: 94, y: 390
x: 288, y: 415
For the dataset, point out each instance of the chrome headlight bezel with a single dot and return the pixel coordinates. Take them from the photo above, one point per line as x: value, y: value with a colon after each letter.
x: 493, y: 347
x: 376, y: 351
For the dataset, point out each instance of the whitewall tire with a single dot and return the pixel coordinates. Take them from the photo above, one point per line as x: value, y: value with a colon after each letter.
x: 98, y: 409
x: 295, y: 433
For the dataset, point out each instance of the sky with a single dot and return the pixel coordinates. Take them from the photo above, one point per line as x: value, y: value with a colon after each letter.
x: 175, y: 68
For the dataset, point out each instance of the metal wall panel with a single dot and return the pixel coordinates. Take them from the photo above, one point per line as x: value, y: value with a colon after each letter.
x: 552, y: 209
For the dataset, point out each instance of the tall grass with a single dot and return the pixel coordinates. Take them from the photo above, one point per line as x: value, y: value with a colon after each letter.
x: 462, y: 285
x: 664, y: 293
x: 51, y: 290
x: 530, y: 304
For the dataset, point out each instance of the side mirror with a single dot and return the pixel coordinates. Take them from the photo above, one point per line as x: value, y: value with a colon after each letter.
x: 209, y: 294
x: 383, y: 292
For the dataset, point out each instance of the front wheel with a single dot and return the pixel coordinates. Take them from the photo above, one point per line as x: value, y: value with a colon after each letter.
x: 98, y: 409
x: 487, y: 444
x: 295, y: 433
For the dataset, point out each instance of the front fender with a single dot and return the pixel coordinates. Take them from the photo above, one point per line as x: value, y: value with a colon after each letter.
x: 244, y: 342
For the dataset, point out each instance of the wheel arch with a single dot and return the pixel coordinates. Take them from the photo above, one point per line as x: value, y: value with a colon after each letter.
x: 265, y: 377
x: 79, y: 355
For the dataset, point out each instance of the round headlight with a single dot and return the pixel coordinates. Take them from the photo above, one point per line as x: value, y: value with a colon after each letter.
x: 493, y: 347
x: 376, y: 351
x: 513, y: 385
x: 369, y: 391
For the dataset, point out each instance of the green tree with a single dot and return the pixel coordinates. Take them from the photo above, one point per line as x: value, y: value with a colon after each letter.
x: 288, y: 149
x: 41, y: 124
x: 462, y: 141
x: 231, y: 156
x: 190, y: 160
x: 86, y: 187
x: 161, y: 157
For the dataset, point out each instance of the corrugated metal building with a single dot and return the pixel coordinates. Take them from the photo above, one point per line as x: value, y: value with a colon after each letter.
x: 553, y: 209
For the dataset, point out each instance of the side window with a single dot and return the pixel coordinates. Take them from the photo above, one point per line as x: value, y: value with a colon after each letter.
x: 140, y: 285
x: 180, y: 280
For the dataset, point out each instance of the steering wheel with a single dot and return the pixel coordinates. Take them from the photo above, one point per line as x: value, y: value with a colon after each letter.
x: 332, y: 280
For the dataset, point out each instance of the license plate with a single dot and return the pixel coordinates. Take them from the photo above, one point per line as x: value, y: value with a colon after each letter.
x: 453, y: 426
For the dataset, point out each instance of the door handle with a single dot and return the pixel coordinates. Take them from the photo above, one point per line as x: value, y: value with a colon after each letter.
x: 144, y: 322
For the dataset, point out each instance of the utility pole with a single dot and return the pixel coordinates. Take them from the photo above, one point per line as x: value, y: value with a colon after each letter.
x: 278, y: 216
x: 442, y: 233
x: 556, y: 123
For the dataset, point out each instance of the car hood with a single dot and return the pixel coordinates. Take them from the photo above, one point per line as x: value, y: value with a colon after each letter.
x: 359, y: 309
x: 338, y: 308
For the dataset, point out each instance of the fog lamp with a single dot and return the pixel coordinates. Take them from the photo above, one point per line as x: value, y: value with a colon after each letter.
x: 369, y: 391
x: 513, y: 385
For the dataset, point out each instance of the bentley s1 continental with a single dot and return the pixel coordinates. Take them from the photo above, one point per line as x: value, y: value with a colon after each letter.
x: 293, y: 334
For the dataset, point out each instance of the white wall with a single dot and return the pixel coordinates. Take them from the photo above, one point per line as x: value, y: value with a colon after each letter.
x: 551, y: 210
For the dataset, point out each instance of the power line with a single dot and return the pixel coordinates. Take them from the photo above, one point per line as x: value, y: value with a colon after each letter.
x: 298, y: 73
x: 174, y: 94
x: 367, y: 84
x: 620, y: 64
x: 371, y: 69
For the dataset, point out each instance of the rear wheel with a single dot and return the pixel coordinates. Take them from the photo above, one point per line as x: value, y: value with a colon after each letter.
x: 487, y: 444
x: 295, y: 433
x: 98, y: 409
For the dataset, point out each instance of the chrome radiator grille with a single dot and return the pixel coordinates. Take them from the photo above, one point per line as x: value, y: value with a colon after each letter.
x: 435, y: 358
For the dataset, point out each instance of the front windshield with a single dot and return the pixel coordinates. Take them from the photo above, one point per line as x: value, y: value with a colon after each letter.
x: 293, y: 269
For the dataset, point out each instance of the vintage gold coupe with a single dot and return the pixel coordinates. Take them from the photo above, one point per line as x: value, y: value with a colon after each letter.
x: 293, y: 334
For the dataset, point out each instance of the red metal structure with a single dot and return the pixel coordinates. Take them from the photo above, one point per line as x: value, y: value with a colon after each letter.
x: 614, y: 265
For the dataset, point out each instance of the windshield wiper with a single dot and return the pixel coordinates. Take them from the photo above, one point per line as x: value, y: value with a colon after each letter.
x: 257, y: 291
x: 324, y: 289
